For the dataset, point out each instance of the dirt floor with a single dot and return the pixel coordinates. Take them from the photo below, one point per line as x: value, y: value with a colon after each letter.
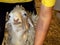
x: 53, y: 36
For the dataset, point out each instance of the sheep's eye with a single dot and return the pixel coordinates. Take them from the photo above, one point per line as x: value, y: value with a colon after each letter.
x: 25, y: 14
x: 9, y: 16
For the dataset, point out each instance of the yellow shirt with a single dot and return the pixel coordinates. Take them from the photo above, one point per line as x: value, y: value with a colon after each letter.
x: 14, y: 1
x: 48, y: 3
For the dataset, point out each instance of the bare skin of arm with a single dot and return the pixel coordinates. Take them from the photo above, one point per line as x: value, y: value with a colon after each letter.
x: 43, y: 24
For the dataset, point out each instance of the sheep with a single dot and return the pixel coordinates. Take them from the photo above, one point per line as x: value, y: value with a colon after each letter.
x: 19, y: 27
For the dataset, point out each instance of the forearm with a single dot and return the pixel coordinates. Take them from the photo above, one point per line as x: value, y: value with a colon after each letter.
x: 42, y: 24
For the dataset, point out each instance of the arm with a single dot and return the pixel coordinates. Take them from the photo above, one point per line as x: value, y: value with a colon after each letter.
x: 43, y: 24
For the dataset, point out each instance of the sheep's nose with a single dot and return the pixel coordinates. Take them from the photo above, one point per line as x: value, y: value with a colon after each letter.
x: 16, y: 20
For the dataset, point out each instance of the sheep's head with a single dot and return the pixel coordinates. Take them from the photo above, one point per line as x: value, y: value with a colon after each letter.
x: 19, y: 16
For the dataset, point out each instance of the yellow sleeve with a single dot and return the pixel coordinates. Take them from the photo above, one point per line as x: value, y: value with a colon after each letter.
x: 48, y: 3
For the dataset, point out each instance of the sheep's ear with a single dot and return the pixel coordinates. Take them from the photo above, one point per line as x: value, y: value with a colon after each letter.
x: 30, y: 22
x: 7, y: 16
